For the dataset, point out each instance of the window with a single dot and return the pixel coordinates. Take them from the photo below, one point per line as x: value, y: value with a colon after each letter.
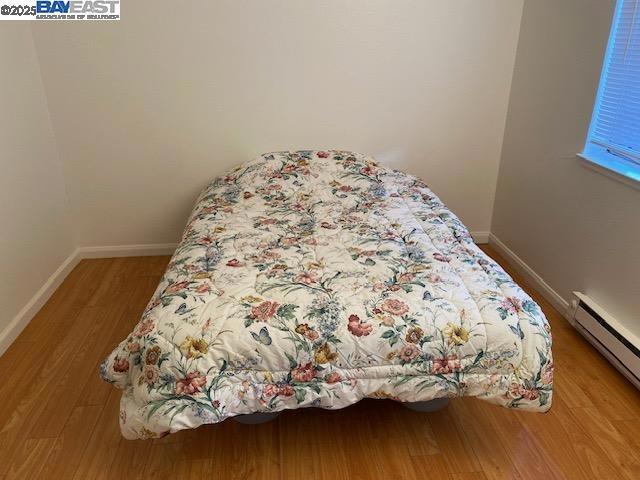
x: 614, y: 136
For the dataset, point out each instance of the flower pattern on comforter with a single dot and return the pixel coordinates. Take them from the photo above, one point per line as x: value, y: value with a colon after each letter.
x: 316, y: 279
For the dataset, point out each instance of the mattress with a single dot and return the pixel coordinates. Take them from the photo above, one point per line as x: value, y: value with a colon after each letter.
x: 317, y: 279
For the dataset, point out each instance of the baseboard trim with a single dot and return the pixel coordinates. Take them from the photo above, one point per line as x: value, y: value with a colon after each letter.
x: 480, y: 238
x: 536, y: 281
x: 24, y: 316
x: 115, y: 251
x: 33, y: 306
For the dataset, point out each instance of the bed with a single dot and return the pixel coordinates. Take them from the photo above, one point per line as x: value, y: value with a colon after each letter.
x: 317, y: 279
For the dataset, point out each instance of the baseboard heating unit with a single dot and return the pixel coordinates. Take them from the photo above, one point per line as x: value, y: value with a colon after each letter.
x: 615, y: 342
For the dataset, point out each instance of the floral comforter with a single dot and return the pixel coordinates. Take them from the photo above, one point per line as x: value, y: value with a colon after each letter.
x: 316, y: 279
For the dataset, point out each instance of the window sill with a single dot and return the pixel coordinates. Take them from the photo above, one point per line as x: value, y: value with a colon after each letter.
x: 612, y: 167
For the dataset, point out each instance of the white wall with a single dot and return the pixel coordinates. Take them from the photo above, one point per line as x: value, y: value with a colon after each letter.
x: 147, y: 110
x: 578, y: 229
x: 35, y: 232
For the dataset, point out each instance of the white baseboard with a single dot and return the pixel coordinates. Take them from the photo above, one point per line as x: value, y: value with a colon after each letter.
x: 536, y: 281
x: 480, y: 237
x: 128, y: 250
x: 33, y: 306
x: 24, y: 316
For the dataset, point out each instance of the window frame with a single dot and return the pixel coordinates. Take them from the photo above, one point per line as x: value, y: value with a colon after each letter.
x: 597, y: 156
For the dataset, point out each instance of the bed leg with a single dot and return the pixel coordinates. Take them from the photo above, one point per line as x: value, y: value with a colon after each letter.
x: 430, y: 406
x: 256, y: 418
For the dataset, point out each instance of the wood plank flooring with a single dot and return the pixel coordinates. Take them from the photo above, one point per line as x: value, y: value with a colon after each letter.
x: 59, y: 421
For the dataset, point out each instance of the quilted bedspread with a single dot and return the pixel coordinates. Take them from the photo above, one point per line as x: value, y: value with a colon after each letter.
x: 316, y: 279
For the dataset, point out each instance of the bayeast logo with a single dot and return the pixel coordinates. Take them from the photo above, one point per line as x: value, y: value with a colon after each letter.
x: 79, y: 9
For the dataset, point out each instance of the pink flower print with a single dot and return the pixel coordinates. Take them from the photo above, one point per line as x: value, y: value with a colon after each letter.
x: 409, y: 352
x: 395, y: 307
x: 120, y: 365
x: 333, y: 377
x: 546, y: 377
x: 270, y: 390
x: 303, y: 373
x: 379, y: 287
x: 405, y: 277
x: 369, y: 170
x: 441, y: 258
x: 191, y: 384
x: 511, y: 305
x: 448, y: 364
x: 265, y: 311
x: 149, y: 375
x: 359, y: 328
x: 388, y: 320
x: 144, y: 327
x: 286, y: 390
x: 176, y: 287
x: 203, y: 288
x: 308, y: 278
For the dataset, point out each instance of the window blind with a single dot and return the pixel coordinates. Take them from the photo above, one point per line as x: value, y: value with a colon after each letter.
x: 615, y: 127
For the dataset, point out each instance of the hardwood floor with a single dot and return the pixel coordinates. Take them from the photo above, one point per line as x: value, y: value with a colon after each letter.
x: 58, y: 420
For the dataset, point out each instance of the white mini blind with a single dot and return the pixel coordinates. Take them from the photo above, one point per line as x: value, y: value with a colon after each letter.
x: 615, y: 126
